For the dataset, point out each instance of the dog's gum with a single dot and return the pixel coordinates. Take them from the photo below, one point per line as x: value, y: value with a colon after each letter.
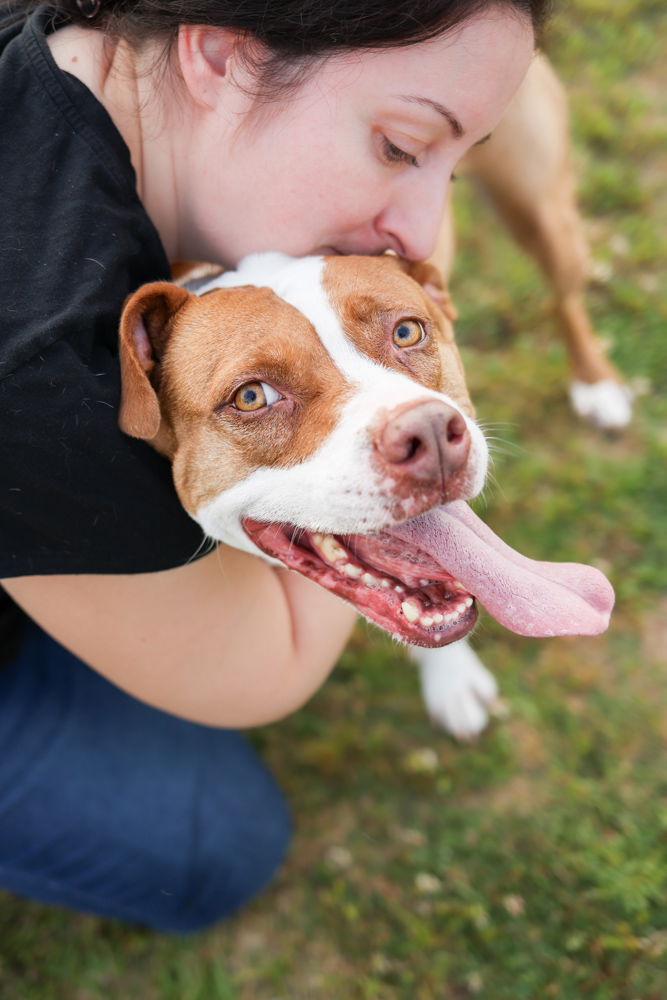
x: 413, y: 610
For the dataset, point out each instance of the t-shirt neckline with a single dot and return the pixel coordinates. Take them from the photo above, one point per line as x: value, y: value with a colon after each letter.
x: 82, y: 110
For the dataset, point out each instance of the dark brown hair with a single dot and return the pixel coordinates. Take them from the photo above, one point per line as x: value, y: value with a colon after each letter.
x: 293, y: 34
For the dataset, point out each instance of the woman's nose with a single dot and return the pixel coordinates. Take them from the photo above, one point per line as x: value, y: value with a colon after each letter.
x: 411, y: 220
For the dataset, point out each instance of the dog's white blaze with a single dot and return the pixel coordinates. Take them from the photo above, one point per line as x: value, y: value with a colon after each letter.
x: 298, y: 281
x: 335, y: 489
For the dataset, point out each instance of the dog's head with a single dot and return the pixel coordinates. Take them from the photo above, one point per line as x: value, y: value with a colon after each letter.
x: 307, y: 407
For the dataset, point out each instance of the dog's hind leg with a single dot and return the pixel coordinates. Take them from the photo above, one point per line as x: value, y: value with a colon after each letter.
x: 457, y: 688
x: 526, y: 170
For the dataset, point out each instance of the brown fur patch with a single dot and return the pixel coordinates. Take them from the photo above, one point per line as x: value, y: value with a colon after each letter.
x: 371, y: 295
x: 221, y: 341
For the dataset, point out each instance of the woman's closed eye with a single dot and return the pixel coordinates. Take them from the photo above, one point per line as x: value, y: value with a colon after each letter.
x: 394, y: 154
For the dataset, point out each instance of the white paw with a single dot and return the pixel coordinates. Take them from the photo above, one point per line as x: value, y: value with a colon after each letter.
x: 458, y: 690
x: 607, y: 404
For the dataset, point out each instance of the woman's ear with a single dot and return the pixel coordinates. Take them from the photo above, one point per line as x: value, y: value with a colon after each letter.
x: 205, y: 56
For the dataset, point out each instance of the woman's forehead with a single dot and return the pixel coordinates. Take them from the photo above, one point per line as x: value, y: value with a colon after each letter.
x: 483, y: 59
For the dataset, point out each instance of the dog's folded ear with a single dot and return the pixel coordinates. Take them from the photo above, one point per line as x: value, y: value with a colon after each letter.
x: 145, y: 326
x: 433, y: 283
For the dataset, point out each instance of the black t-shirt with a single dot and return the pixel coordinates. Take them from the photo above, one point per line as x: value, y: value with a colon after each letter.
x: 76, y: 495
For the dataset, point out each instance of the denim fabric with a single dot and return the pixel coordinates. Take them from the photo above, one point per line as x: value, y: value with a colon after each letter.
x: 115, y: 808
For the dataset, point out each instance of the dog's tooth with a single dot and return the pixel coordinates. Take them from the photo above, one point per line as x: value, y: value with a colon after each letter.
x: 411, y: 610
x: 351, y: 570
x: 399, y: 589
x: 330, y: 548
x: 468, y: 602
x: 450, y: 618
x: 424, y: 583
x: 438, y: 618
x: 369, y: 579
x: 386, y: 583
x: 425, y: 621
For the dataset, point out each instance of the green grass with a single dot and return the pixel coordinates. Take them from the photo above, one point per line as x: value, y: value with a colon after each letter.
x: 534, y: 863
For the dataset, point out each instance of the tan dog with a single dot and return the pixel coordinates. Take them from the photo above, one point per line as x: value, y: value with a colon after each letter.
x: 315, y: 413
x: 525, y: 170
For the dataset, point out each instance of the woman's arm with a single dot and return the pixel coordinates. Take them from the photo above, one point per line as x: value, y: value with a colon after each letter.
x: 225, y: 641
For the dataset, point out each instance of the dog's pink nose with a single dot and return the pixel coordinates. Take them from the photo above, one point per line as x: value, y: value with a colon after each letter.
x: 427, y: 442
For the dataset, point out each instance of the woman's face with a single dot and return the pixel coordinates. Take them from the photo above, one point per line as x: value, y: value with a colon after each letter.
x: 358, y: 160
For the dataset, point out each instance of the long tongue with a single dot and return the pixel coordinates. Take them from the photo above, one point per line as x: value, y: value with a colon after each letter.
x: 528, y: 597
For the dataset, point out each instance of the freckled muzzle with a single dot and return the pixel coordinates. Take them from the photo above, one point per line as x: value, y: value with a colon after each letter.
x: 424, y: 447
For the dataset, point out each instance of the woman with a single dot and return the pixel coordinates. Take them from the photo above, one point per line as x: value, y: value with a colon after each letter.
x: 133, y: 133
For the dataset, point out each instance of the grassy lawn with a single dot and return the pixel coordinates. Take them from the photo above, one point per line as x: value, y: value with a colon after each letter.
x: 533, y: 864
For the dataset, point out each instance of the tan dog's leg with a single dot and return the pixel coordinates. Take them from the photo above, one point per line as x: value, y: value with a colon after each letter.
x: 526, y: 170
x: 443, y: 255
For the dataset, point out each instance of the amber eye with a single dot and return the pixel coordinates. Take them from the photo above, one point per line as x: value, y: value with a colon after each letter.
x: 255, y: 395
x: 408, y: 332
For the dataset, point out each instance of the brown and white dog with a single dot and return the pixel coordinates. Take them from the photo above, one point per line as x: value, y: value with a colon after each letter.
x: 525, y: 171
x: 315, y: 413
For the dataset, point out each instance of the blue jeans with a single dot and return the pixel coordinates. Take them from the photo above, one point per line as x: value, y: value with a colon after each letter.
x: 115, y: 808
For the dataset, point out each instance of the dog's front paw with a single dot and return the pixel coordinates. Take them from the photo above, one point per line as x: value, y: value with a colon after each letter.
x: 607, y: 404
x: 458, y: 690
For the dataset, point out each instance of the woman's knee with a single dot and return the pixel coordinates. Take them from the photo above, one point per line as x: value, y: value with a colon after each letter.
x: 234, y: 857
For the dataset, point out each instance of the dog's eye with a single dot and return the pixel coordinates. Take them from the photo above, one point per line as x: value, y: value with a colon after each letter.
x: 255, y: 395
x: 408, y: 332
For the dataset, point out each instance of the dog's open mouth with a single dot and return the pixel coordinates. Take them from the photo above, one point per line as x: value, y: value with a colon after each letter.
x: 419, y: 579
x: 396, y: 587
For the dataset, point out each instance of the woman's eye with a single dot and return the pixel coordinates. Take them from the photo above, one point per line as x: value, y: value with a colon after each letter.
x: 408, y: 332
x: 393, y: 154
x: 255, y: 395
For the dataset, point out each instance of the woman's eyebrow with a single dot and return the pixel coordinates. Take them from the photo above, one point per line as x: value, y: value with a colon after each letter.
x: 456, y: 126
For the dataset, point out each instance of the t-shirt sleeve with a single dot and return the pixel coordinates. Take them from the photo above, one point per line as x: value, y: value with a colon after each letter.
x: 76, y: 494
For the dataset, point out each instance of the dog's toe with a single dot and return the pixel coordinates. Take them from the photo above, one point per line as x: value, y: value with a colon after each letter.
x: 458, y: 689
x: 463, y: 716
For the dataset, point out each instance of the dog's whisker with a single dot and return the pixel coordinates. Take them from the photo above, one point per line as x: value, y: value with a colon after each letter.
x: 495, y: 424
x: 206, y: 545
x: 296, y: 535
x: 491, y: 488
x: 501, y: 446
x: 499, y: 451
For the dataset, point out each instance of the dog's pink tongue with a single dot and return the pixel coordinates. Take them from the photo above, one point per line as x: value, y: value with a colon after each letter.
x: 528, y: 597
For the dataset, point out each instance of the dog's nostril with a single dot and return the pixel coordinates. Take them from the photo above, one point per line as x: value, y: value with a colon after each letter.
x: 456, y: 429
x: 412, y: 446
x: 427, y: 441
